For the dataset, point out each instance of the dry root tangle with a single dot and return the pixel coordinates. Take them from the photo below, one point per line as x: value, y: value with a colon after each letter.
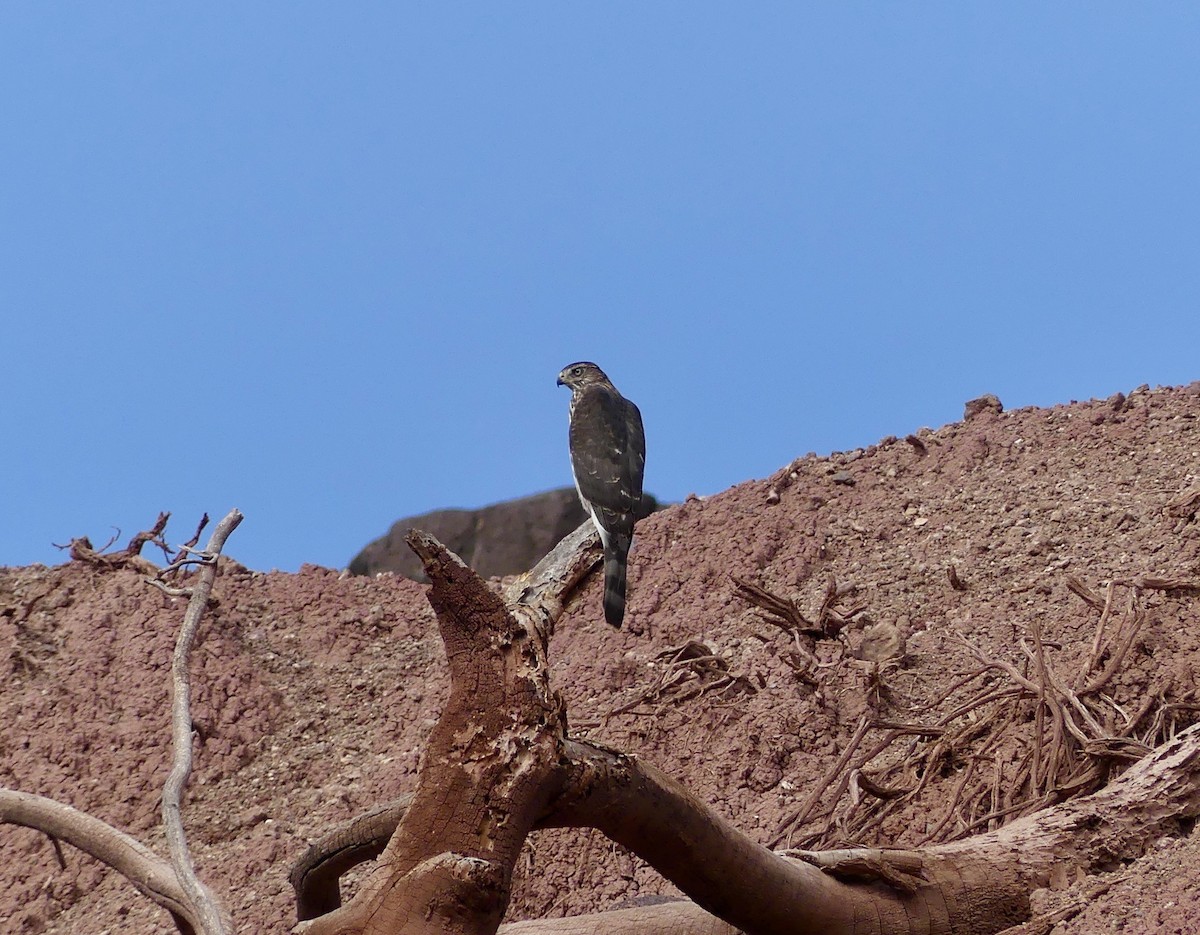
x: 1027, y: 735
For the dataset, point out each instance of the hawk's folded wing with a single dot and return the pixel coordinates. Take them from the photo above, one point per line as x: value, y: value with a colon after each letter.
x: 608, y: 455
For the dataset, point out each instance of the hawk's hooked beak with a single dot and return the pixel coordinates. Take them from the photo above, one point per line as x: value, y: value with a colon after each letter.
x: 559, y: 382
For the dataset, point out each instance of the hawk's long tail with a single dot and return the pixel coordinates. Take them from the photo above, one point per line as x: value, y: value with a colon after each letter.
x: 616, y: 557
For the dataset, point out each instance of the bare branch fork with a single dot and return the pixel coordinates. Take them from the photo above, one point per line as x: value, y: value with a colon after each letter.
x: 172, y: 884
x: 150, y: 874
x: 500, y: 763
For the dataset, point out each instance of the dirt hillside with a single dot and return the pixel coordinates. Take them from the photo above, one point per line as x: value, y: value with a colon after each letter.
x: 915, y: 557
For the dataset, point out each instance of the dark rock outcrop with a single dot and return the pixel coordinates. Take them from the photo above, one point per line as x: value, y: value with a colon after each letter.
x: 502, y: 539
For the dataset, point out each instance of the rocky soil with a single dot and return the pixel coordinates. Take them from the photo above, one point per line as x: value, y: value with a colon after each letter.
x: 314, y: 690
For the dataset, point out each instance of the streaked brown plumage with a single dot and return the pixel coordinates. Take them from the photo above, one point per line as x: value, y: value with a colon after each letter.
x: 608, y: 457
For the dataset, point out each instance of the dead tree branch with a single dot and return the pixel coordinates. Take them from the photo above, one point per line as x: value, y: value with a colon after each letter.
x: 315, y: 876
x: 198, y: 894
x: 500, y: 763
x: 143, y: 868
x: 172, y: 884
x: 978, y: 885
x: 494, y: 759
x: 82, y: 550
x: 785, y: 612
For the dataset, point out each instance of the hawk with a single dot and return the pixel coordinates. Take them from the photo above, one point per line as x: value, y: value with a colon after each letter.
x: 608, y: 454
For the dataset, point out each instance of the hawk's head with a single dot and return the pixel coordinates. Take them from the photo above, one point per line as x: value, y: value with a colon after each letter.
x: 581, y: 374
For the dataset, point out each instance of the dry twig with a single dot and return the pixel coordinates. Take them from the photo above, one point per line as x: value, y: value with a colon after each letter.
x: 693, y: 662
x: 785, y: 613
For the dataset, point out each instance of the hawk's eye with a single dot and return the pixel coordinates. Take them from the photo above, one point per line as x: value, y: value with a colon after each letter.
x: 576, y: 371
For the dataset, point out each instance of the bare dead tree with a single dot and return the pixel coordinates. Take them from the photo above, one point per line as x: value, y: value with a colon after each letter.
x: 500, y: 763
x: 172, y: 883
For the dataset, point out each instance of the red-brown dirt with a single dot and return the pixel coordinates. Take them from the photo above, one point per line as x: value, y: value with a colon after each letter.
x: 314, y: 690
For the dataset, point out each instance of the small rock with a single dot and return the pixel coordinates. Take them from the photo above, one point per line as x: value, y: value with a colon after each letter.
x: 844, y: 477
x: 253, y: 817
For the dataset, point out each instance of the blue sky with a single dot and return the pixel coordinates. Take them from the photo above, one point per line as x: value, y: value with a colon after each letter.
x: 322, y: 262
